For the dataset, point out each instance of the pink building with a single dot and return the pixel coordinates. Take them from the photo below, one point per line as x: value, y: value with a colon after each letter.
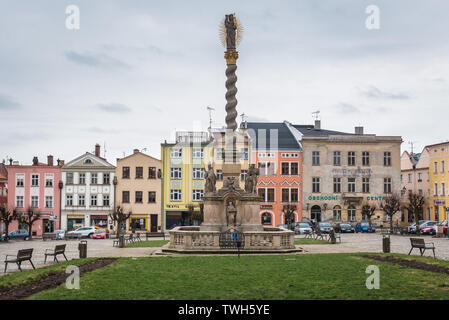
x: 36, y: 186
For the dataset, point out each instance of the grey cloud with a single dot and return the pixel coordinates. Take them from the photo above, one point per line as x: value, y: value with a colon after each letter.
x: 95, y: 60
x: 376, y: 93
x: 113, y: 108
x: 347, y: 108
x: 6, y: 103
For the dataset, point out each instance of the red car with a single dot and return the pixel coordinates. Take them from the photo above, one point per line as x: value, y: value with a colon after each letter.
x: 99, y: 234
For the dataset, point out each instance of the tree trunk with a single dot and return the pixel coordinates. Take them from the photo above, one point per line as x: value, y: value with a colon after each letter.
x: 391, y: 224
x: 369, y: 222
x: 30, y: 226
x: 6, y: 231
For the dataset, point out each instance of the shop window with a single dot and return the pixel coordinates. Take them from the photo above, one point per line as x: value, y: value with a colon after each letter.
x: 266, y: 219
x: 138, y: 224
x: 337, y: 213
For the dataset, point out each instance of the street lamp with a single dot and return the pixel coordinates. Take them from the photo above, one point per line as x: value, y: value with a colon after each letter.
x: 60, y: 186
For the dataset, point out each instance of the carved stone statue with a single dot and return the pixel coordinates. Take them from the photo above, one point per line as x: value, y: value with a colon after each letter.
x: 251, y: 179
x: 211, y: 180
x: 230, y: 31
x: 231, y: 211
x: 231, y: 183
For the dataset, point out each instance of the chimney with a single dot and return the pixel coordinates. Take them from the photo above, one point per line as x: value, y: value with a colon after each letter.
x: 35, y: 161
x: 97, y: 150
x: 10, y: 161
x: 50, y: 160
x: 317, y: 125
x: 136, y: 150
x: 358, y: 130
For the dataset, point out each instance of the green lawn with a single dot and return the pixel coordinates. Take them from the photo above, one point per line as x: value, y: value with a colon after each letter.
x: 27, y: 276
x: 302, y: 276
x: 151, y: 243
x: 310, y: 241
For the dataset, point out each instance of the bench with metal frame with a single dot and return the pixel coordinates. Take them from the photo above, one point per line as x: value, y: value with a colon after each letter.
x: 22, y: 255
x: 335, y: 235
x: 309, y: 234
x: 319, y: 234
x: 154, y: 235
x: 59, y: 249
x: 421, y: 245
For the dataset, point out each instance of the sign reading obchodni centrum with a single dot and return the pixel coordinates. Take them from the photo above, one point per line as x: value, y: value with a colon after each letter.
x: 335, y: 197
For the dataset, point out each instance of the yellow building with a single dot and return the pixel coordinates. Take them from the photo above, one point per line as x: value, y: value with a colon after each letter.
x: 138, y: 190
x: 439, y: 180
x: 184, y: 164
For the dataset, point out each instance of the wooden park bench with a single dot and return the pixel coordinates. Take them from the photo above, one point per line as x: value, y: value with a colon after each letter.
x: 337, y: 236
x: 129, y: 239
x: 59, y: 249
x: 309, y: 234
x: 22, y: 255
x: 319, y: 234
x: 154, y: 235
x: 421, y: 245
x: 49, y: 236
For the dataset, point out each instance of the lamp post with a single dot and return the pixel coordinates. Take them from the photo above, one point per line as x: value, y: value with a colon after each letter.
x: 115, y: 182
x: 60, y: 186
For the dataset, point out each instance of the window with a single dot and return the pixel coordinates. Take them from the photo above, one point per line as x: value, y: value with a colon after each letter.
x: 197, y: 195
x: 351, y: 158
x: 69, y: 200
x: 19, y: 181
x: 315, y: 158
x: 93, y: 200
x: 285, y: 194
x: 337, y: 213
x: 125, y: 173
x: 289, y: 194
x: 365, y: 185
x: 435, y: 167
x: 198, y: 173
x: 337, y: 185
x: 244, y: 152
x: 243, y: 174
x: 267, y: 168
x: 81, y: 200
x: 197, y: 153
x: 337, y: 158
x: 220, y: 153
x: 219, y: 175
x: 106, y: 178
x: 419, y: 176
x: 137, y: 224
x: 387, y: 158
x: 94, y: 178
x: 19, y: 201
x: 35, y: 180
x: 152, y: 196
x: 351, y: 213
x: 316, y: 185
x: 435, y: 189
x: 82, y: 178
x: 289, y: 168
x: 420, y: 192
x: 49, y: 182
x: 139, y: 197
x: 351, y: 184
x: 175, y: 153
x: 152, y: 173
x: 139, y: 172
x: 387, y: 185
x: 365, y: 158
x: 48, y: 202
x: 409, y: 176
x: 294, y: 195
x: 294, y: 168
x: 267, y: 194
x: 266, y: 218
x: 106, y: 200
x: 176, y: 173
x: 402, y: 179
x: 175, y: 195
x: 442, y: 166
x: 125, y: 196
x: 69, y: 178
x: 443, y: 189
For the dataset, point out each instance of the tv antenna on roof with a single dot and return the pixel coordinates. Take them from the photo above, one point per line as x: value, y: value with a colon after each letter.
x: 316, y: 115
x: 411, y: 144
x: 209, y: 108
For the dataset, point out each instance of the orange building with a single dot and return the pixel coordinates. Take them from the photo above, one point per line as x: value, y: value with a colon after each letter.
x: 277, y: 153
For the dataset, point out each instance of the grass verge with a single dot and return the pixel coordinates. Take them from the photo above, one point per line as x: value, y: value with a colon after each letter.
x: 310, y: 241
x: 151, y: 243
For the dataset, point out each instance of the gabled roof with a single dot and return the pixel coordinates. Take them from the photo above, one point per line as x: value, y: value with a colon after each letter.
x: 98, y: 162
x: 137, y: 153
x: 272, y: 136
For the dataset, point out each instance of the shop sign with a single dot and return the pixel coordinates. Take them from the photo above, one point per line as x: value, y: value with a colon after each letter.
x: 439, y: 202
x: 53, y: 218
x: 375, y: 198
x: 323, y: 197
x: 173, y: 206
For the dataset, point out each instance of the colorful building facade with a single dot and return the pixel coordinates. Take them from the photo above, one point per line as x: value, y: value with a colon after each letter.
x: 438, y: 180
x: 138, y: 190
x: 35, y: 187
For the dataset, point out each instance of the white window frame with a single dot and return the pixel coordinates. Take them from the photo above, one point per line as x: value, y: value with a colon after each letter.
x: 175, y: 153
x: 197, y: 194
x: 198, y: 173
x: 197, y: 153
x: 82, y: 200
x: 31, y: 181
x: 176, y: 173
x: 177, y: 193
x: 48, y: 199
x: 93, y: 200
x: 21, y: 205
x: 69, y: 200
x: 20, y: 177
x: 34, y: 199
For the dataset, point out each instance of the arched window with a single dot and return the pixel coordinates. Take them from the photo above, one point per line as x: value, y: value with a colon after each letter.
x: 337, y: 213
x: 315, y: 213
x: 351, y: 213
x: 266, y: 218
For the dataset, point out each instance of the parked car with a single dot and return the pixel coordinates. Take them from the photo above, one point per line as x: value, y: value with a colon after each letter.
x: 432, y: 230
x: 60, y: 234
x: 325, y: 227
x: 364, y: 227
x: 303, y: 227
x: 344, y: 228
x: 20, y: 234
x: 283, y: 226
x: 427, y: 224
x: 444, y: 224
x: 99, y: 234
x: 85, y: 231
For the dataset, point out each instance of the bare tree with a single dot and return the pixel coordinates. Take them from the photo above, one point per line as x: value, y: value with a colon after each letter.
x: 369, y: 210
x: 29, y: 217
x: 118, y: 217
x: 7, y: 216
x: 415, y: 206
x: 391, y: 205
x: 289, y: 214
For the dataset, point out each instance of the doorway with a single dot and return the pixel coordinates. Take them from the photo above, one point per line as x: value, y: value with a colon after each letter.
x: 315, y: 213
x: 48, y: 225
x: 153, y: 222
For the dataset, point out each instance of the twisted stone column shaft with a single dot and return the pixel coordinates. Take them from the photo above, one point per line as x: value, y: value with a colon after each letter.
x: 231, y: 111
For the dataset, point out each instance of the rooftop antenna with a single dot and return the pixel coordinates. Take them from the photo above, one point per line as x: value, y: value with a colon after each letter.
x: 104, y: 150
x: 144, y: 149
x: 243, y: 115
x: 209, y: 108
x: 316, y: 115
x: 411, y: 144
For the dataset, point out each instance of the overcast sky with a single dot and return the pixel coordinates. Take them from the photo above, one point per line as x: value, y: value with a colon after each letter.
x: 136, y: 71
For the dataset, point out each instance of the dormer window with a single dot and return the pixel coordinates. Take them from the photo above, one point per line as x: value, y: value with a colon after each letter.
x: 87, y: 161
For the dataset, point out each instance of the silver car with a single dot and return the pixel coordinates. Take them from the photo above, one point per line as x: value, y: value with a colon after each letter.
x: 302, y: 228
